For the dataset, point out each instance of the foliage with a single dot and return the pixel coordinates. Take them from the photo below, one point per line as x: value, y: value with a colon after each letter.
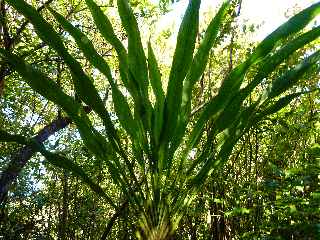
x: 144, y: 146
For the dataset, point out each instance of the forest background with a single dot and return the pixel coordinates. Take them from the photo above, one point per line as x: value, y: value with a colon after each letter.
x: 226, y: 167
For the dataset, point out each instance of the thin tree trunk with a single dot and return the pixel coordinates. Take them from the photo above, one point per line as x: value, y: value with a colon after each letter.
x: 19, y: 159
x: 64, y: 210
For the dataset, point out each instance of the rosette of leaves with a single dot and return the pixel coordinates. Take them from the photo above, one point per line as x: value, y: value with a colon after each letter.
x: 156, y: 174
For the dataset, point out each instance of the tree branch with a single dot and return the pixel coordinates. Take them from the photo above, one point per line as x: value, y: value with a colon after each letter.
x: 6, y: 42
x: 113, y: 219
x: 19, y: 159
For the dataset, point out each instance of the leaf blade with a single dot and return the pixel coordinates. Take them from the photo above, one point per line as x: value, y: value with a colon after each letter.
x: 181, y: 62
x: 85, y: 45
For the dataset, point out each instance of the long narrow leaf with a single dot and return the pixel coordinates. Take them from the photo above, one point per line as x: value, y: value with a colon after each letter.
x: 196, y: 70
x: 270, y: 63
x: 59, y: 161
x: 137, y: 62
x: 155, y: 75
x: 105, y: 27
x: 120, y: 103
x: 284, y: 82
x: 181, y: 63
x: 293, y: 25
x: 231, y: 84
x: 290, y: 77
x: 136, y: 58
x: 201, y: 57
x: 155, y: 79
x: 68, y: 165
x: 226, y: 142
x: 277, y: 106
x: 51, y: 91
x: 82, y: 82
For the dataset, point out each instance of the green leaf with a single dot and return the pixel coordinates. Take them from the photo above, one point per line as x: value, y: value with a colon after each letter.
x: 226, y: 141
x: 51, y: 91
x: 46, y: 32
x: 136, y: 58
x: 181, y: 63
x: 201, y: 57
x: 120, y: 103
x: 289, y: 78
x: 137, y: 63
x: 59, y: 161
x: 124, y: 113
x: 278, y: 86
x: 229, y: 114
x: 104, y: 25
x: 85, y: 45
x: 83, y: 84
x: 231, y: 84
x: 277, y: 106
x: 271, y: 62
x: 155, y: 79
x: 293, y: 25
x: 230, y: 136
x: 196, y: 70
x: 211, y: 109
x: 68, y: 165
x: 155, y: 75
